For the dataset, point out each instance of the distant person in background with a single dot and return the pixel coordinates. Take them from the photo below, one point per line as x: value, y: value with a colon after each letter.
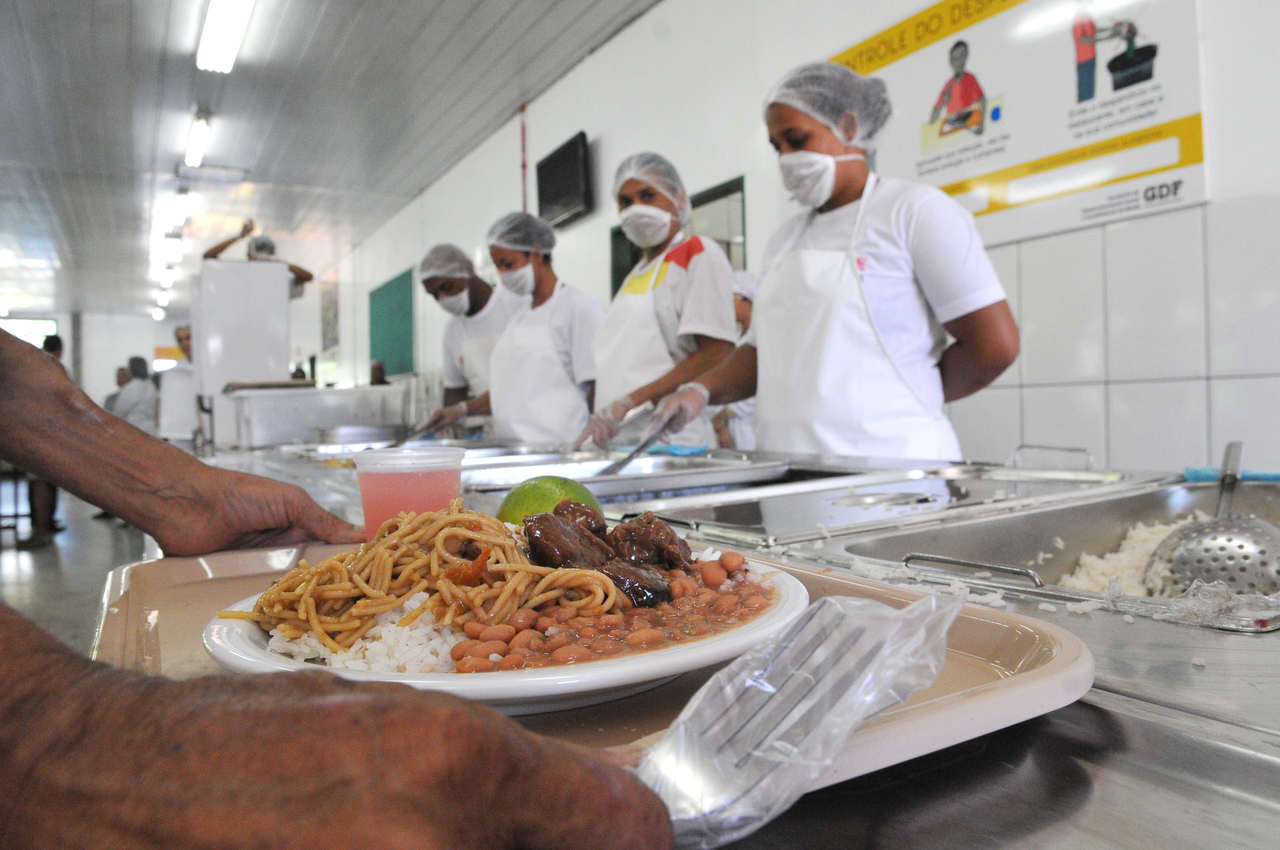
x: 176, y: 413
x: 734, y: 426
x: 136, y: 402
x: 378, y: 374
x: 298, y: 374
x: 122, y: 378
x: 264, y: 249
x: 478, y: 314
x: 42, y: 497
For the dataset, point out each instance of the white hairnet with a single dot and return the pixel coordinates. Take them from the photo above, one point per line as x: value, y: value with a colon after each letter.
x: 445, y: 260
x: 745, y: 284
x: 854, y: 107
x: 520, y: 231
x: 657, y: 171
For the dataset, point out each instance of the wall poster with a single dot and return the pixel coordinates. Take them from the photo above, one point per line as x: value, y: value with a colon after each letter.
x: 329, y: 316
x: 1043, y: 115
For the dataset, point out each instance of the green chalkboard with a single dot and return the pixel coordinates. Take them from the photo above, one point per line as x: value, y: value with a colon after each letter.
x: 391, y: 324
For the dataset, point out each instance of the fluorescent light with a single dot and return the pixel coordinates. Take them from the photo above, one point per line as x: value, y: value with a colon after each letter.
x: 224, y: 28
x: 162, y: 364
x: 157, y: 313
x: 4, y: 311
x: 197, y: 141
x: 167, y: 278
x: 163, y: 297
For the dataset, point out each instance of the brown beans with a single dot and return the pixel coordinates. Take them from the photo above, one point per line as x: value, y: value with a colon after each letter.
x: 646, y: 637
x: 470, y: 664
x: 610, y: 621
x: 473, y: 628
x: 528, y: 639
x: 755, y: 602
x: 555, y: 642
x: 714, y: 575
x: 503, y: 633
x: 564, y: 614
x: 588, y: 632
x: 571, y: 654
x: 544, y: 623
x: 607, y: 645
x: 725, y: 603
x: 732, y: 561
x: 462, y: 649
x: 514, y: 661
x: 523, y: 619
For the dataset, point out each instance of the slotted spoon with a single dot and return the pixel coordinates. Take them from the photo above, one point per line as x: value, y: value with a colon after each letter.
x: 1243, y: 551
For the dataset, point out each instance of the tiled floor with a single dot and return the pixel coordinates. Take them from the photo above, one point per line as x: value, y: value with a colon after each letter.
x: 60, y: 587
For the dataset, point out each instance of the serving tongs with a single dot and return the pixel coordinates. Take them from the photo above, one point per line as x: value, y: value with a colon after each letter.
x: 617, y: 466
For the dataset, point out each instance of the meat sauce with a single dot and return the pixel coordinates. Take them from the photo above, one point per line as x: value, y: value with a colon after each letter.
x: 707, y: 598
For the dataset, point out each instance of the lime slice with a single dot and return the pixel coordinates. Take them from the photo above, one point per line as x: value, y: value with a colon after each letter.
x: 540, y: 495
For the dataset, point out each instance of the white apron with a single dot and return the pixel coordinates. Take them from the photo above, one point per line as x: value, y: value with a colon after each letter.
x: 475, y: 364
x: 178, y: 419
x: 825, y: 381
x: 631, y: 351
x: 533, y: 399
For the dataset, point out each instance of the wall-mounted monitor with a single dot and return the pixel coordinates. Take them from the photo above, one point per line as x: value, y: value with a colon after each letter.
x: 564, y: 182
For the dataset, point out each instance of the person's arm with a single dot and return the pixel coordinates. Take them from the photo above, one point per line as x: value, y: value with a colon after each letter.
x: 53, y: 430
x: 709, y: 352
x: 732, y: 379
x: 239, y: 761
x: 453, y: 395
x: 986, y: 343
x: 216, y: 250
x: 300, y: 275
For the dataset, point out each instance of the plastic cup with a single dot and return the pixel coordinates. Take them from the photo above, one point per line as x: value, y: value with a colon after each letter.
x: 417, y: 479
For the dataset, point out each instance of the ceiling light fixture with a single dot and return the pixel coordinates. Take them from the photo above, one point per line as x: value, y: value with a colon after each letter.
x: 163, y: 297
x: 197, y: 140
x: 224, y: 28
x: 157, y: 313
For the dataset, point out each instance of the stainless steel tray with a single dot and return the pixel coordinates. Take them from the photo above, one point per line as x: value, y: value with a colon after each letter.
x: 1094, y: 524
x: 811, y: 510
x: 649, y: 474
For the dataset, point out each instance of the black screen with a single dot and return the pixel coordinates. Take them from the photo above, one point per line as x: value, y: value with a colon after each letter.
x: 564, y: 182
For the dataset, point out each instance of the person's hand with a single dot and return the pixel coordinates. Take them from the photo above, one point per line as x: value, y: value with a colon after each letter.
x: 679, y: 408
x: 604, y: 423
x: 720, y: 422
x: 247, y: 228
x: 304, y: 759
x: 215, y: 509
x: 444, y: 416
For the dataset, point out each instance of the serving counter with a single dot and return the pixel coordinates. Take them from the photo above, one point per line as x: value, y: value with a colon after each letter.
x: 1177, y: 742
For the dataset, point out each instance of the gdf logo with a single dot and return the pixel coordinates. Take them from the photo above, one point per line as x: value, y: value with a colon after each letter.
x: 1162, y: 192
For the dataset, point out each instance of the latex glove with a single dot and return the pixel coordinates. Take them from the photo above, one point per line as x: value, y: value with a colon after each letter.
x: 604, y: 423
x: 679, y: 408
x: 445, y: 416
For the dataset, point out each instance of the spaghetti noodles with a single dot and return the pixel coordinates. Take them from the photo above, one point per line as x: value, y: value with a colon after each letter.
x: 339, y: 598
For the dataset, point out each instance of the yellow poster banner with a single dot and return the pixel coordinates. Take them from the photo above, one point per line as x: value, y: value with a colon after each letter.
x: 939, y: 21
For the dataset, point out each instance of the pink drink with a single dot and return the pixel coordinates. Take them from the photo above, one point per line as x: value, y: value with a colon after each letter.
x: 398, y: 480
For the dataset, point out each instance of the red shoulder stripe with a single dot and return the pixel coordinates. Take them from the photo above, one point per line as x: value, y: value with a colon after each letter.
x: 684, y: 253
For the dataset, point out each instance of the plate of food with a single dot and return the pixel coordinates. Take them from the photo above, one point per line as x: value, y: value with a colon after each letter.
x: 559, y: 613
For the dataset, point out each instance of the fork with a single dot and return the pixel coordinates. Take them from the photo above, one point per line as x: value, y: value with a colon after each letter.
x: 759, y: 732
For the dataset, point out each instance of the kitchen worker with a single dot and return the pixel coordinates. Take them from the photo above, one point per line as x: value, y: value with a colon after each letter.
x: 542, y: 371
x: 176, y: 412
x: 478, y: 314
x: 846, y: 352
x: 672, y: 318
x: 262, y: 248
x: 231, y: 761
x: 735, y: 423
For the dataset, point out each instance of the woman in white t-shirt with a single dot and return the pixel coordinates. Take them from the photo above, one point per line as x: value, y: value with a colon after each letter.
x: 672, y: 318
x: 847, y: 353
x: 136, y: 401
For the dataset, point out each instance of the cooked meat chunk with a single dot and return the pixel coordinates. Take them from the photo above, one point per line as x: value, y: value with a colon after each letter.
x: 648, y: 540
x: 642, y: 584
x: 584, y: 516
x: 558, y: 542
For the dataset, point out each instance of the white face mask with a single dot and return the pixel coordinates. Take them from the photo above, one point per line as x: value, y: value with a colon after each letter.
x: 457, y: 304
x: 810, y: 176
x: 646, y: 226
x: 519, y: 281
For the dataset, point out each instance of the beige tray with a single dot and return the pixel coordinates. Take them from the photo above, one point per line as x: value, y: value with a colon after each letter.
x: 1001, y: 668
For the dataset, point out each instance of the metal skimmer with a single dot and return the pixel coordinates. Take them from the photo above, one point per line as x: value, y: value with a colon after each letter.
x: 1243, y: 551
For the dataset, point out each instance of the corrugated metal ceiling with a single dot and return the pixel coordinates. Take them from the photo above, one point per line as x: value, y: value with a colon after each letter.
x: 338, y: 112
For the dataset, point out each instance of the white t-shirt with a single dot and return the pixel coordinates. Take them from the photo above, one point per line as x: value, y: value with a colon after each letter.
x: 178, y: 402
x: 922, y: 263
x: 468, y: 340
x: 696, y: 295
x: 136, y: 404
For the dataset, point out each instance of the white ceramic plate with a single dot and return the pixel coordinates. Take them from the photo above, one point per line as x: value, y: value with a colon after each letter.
x: 242, y: 645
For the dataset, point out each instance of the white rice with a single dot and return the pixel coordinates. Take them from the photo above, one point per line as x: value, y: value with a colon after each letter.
x: 1128, y: 564
x: 422, y: 647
